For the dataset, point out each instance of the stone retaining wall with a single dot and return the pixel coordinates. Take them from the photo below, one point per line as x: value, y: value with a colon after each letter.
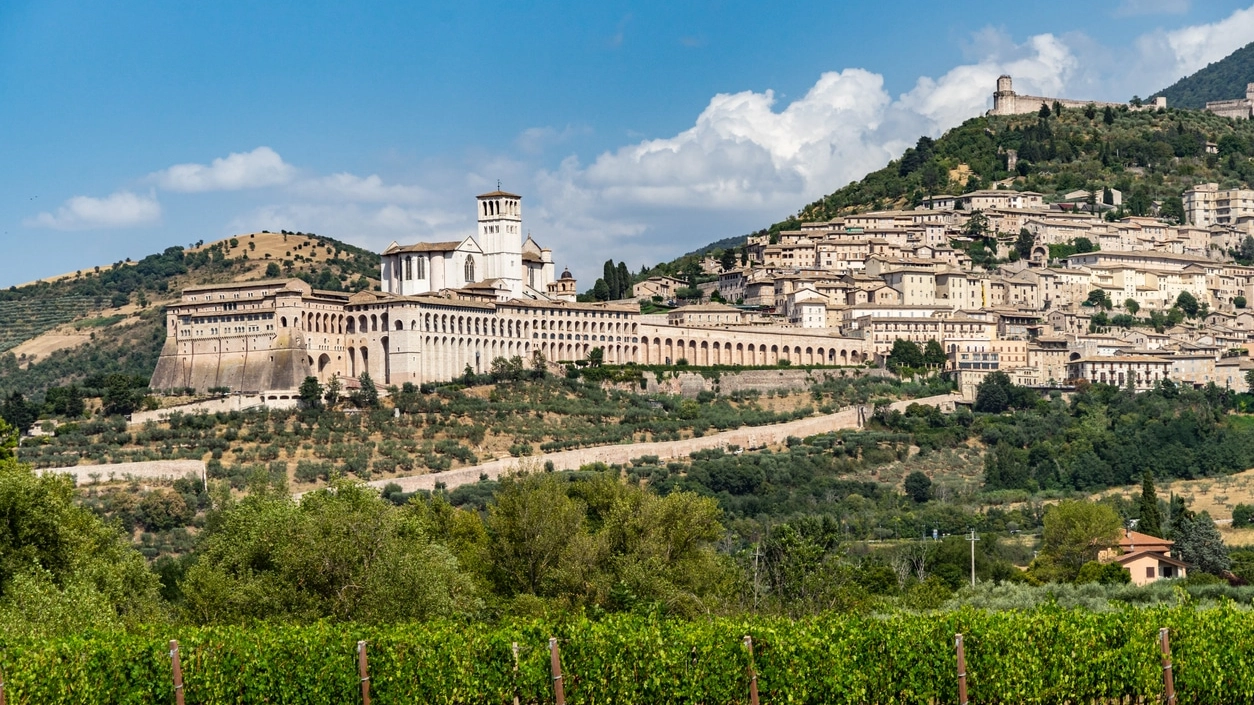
x: 746, y: 437
x: 150, y: 470
x: 690, y: 384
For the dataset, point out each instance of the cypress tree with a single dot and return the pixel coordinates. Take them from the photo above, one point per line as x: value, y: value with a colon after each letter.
x: 610, y: 275
x: 1151, y: 519
x: 624, y: 281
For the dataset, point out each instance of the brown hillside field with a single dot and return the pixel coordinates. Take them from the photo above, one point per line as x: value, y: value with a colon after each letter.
x: 276, y: 245
x: 1217, y: 495
x: 272, y: 247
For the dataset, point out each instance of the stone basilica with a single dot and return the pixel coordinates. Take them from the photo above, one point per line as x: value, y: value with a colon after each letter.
x: 444, y: 307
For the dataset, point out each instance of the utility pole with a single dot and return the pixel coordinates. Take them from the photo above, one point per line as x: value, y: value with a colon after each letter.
x: 972, y: 538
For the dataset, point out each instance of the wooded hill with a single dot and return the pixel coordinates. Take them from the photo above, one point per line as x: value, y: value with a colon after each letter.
x: 1223, y: 80
x: 107, y: 320
x: 1149, y: 156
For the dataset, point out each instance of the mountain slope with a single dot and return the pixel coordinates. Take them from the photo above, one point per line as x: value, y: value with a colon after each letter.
x: 1150, y: 156
x: 1223, y: 80
x: 108, y: 320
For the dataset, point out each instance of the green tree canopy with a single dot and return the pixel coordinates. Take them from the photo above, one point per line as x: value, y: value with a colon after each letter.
x: 341, y: 553
x: 311, y: 392
x: 1076, y: 532
x: 1099, y: 298
x: 934, y: 354
x: 61, y: 567
x: 366, y: 397
x: 905, y: 354
x: 918, y: 486
x: 1188, y: 303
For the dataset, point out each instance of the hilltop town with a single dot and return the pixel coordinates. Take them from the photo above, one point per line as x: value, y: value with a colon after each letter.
x: 1050, y: 293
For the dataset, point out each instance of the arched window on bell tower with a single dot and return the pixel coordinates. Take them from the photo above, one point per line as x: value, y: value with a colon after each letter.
x: 470, y: 269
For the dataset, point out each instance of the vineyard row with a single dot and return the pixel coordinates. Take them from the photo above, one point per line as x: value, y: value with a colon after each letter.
x: 1041, y: 656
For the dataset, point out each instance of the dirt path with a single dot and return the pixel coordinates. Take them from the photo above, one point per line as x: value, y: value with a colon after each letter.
x: 745, y: 437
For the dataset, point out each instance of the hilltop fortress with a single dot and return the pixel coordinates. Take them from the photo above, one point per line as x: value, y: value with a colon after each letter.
x: 1007, y: 102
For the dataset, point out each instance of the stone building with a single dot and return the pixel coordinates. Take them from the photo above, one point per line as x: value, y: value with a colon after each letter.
x: 1240, y: 108
x: 1007, y: 102
x: 445, y: 308
x: 1143, y: 370
x: 498, y: 257
x: 1206, y: 205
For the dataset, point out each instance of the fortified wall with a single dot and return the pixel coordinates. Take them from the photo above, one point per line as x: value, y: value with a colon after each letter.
x: 1237, y: 109
x: 1007, y: 102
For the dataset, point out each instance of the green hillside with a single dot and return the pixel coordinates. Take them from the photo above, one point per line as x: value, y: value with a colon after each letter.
x: 117, y: 308
x: 1223, y: 80
x: 1150, y: 156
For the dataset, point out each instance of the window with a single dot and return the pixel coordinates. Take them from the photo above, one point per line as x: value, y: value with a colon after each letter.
x: 1149, y: 572
x: 422, y: 268
x: 470, y: 269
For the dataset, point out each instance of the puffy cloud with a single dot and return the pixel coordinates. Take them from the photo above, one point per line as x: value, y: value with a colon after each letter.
x: 122, y: 209
x: 745, y: 154
x: 239, y: 170
x: 1165, y: 56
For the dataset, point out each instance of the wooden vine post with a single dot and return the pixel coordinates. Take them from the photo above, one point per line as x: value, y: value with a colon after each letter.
x: 1169, y: 681
x: 516, y: 674
x: 177, y: 668
x: 753, y: 673
x: 962, y: 669
x: 555, y: 664
x: 2, y: 701
x: 363, y: 670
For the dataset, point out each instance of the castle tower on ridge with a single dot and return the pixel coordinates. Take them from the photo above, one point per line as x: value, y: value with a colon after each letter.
x: 500, y: 237
x: 1004, y: 97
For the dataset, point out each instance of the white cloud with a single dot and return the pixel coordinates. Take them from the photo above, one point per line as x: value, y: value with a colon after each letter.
x: 1132, y: 8
x: 239, y: 170
x: 748, y: 160
x: 745, y: 153
x: 1166, y: 56
x: 122, y: 209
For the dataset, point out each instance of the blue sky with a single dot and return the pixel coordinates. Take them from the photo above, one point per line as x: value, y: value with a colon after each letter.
x: 634, y: 130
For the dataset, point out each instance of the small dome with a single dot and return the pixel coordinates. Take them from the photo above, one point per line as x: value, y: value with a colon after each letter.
x: 566, y: 274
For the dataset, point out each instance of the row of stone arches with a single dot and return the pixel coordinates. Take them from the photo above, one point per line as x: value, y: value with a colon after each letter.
x: 569, y: 352
x: 664, y: 351
x: 445, y: 357
x: 472, y: 325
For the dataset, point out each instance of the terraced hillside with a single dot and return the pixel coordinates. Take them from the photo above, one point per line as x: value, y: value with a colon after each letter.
x: 24, y: 319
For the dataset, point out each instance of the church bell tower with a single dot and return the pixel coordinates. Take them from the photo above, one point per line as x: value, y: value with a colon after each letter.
x: 500, y: 238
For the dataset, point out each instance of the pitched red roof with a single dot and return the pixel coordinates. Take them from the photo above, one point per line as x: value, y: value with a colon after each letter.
x: 1135, y: 541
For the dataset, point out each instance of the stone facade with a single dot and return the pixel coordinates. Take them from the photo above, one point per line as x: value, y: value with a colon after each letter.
x: 1239, y: 109
x: 1007, y: 102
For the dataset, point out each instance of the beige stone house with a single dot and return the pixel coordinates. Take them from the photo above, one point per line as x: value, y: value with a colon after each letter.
x: 1147, y: 558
